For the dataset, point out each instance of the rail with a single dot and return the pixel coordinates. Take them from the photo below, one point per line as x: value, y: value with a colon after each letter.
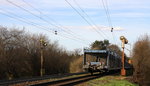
x: 21, y: 80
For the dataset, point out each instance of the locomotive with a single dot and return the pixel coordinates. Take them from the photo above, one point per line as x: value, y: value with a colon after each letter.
x: 102, y: 61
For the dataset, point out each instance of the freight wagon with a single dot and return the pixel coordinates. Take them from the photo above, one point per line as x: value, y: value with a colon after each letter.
x: 102, y: 61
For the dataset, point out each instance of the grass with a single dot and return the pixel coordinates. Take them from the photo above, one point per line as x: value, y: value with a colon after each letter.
x: 109, y: 81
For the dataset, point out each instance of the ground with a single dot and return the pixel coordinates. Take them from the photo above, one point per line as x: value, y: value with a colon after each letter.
x: 110, y: 81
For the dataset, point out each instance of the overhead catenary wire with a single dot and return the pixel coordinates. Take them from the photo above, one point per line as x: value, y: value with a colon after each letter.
x: 31, y: 13
x: 22, y: 19
x: 38, y: 26
x: 68, y: 31
x: 85, y: 19
x: 113, y: 32
x: 32, y: 6
x: 90, y: 18
x: 27, y: 22
x: 37, y: 16
x: 105, y: 5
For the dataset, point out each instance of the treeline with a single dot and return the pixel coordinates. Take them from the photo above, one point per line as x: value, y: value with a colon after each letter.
x: 20, y: 55
x: 141, y: 61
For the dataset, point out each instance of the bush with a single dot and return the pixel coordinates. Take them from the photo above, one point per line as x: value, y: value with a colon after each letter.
x: 141, y: 60
x: 20, y: 55
x: 76, y: 65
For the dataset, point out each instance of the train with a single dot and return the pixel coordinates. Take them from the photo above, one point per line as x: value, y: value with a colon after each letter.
x: 102, y: 61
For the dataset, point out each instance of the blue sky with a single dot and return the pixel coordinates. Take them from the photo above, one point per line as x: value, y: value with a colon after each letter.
x: 129, y: 18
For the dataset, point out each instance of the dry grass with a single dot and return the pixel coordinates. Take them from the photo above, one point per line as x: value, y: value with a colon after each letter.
x: 76, y: 65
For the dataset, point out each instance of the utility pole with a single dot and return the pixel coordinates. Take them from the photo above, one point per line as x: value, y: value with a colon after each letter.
x: 124, y: 41
x: 42, y: 45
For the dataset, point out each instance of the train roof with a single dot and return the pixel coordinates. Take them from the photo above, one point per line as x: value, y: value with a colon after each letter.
x: 99, y: 52
x: 96, y: 51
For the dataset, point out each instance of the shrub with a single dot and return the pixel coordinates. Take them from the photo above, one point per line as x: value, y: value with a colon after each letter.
x: 20, y: 55
x: 141, y: 60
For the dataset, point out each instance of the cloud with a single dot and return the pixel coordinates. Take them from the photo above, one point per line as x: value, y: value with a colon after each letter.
x: 118, y: 29
x: 109, y: 28
x: 98, y: 27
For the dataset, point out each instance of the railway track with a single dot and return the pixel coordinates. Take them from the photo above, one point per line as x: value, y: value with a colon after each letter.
x: 65, y: 81
x: 72, y: 81
x: 23, y: 80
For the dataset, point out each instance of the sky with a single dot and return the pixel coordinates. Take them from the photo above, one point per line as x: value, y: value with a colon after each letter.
x: 78, y: 28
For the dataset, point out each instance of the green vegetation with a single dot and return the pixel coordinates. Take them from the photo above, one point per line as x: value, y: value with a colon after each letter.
x: 100, y: 45
x: 110, y: 81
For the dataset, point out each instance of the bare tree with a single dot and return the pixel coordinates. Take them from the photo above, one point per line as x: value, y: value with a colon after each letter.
x: 141, y: 60
x: 20, y: 55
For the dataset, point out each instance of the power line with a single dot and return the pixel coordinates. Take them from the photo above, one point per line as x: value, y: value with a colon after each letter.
x: 107, y: 13
x: 36, y: 15
x: 113, y: 33
x: 84, y: 18
x: 67, y: 31
x: 23, y: 19
x: 39, y: 11
x: 31, y: 13
x: 32, y: 6
x: 89, y: 18
x: 75, y: 39
x: 38, y: 26
x: 105, y: 5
